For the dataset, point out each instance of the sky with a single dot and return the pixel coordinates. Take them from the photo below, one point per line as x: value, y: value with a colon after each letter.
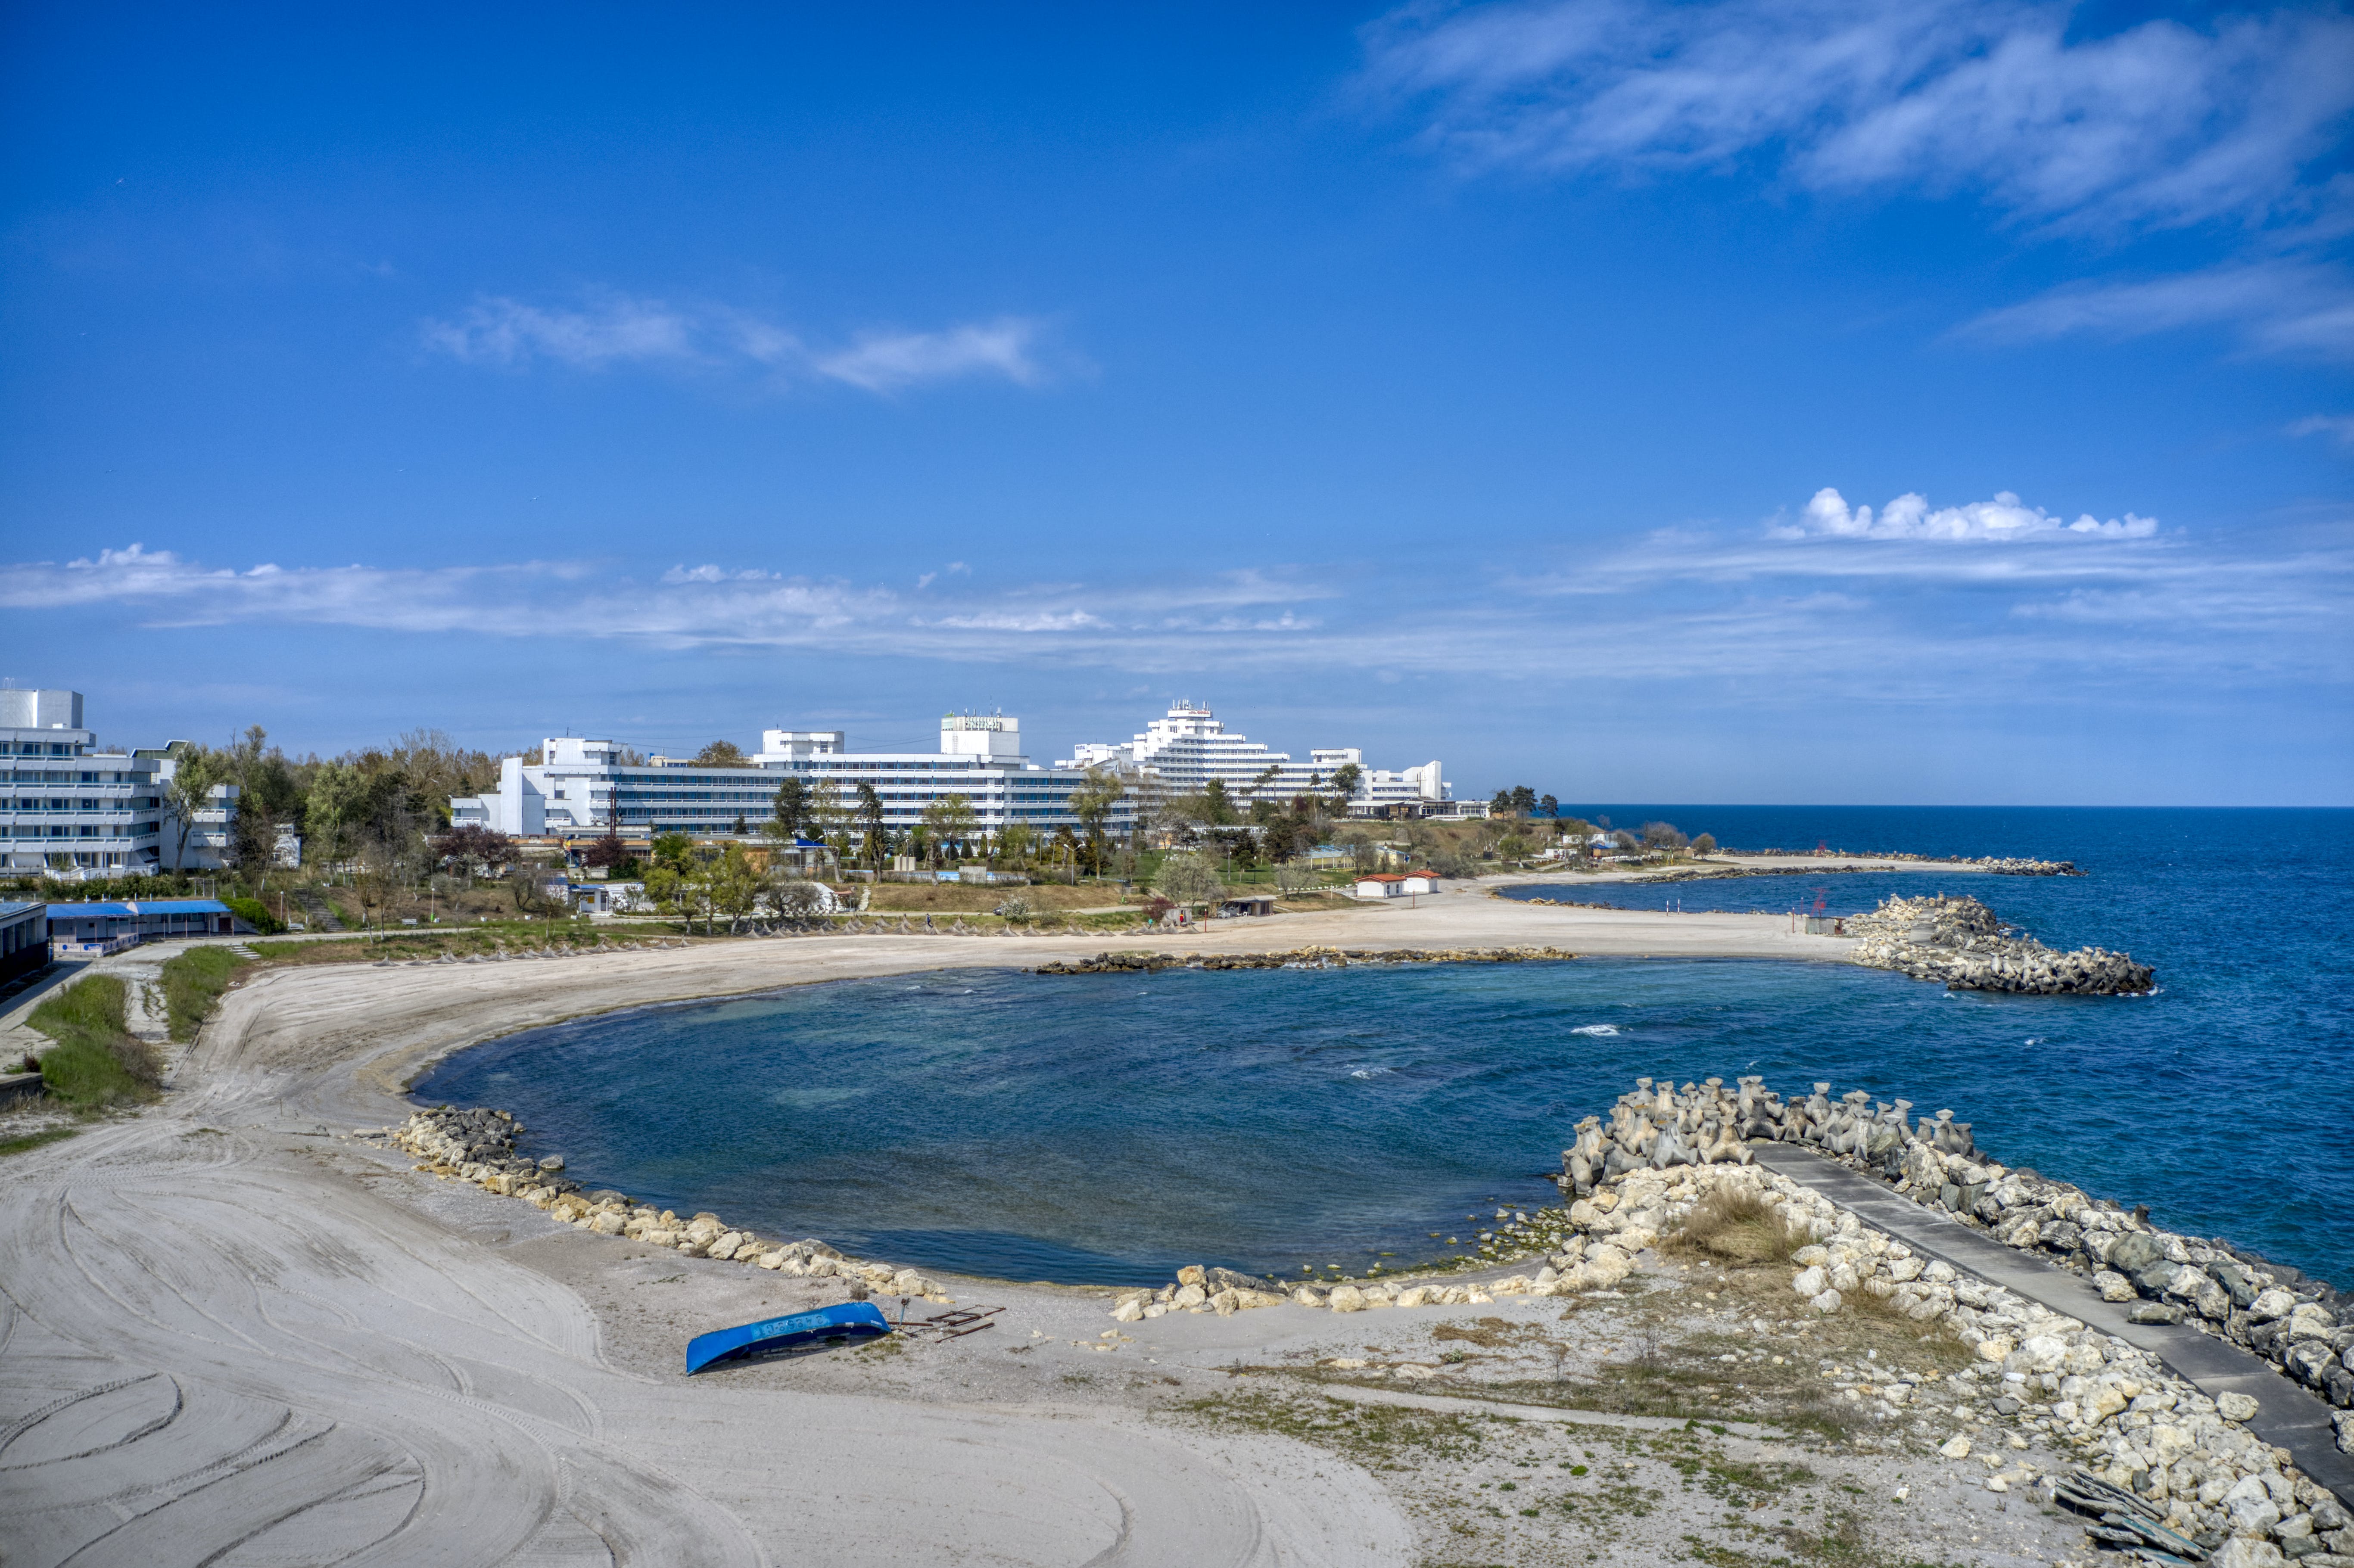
x: 1758, y: 400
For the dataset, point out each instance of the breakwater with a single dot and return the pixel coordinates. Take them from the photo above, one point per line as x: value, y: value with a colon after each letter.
x: 1959, y: 943
x: 1997, y: 865
x: 1294, y: 959
x: 2165, y: 1466
x: 2305, y: 1328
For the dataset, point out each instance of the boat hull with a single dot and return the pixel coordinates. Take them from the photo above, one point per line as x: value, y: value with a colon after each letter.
x: 850, y: 1322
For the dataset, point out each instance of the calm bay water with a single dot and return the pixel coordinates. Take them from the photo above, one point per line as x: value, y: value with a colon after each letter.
x: 1107, y: 1129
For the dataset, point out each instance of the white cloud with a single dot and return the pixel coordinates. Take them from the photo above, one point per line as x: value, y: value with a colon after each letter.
x: 1902, y: 604
x: 617, y: 330
x: 886, y: 362
x: 1910, y: 516
x: 2339, y: 427
x: 2280, y: 306
x: 2156, y: 124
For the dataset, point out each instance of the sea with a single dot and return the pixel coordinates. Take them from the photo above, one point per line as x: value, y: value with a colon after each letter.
x: 1108, y: 1129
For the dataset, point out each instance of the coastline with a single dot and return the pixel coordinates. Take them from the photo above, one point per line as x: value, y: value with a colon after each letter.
x: 567, y: 1343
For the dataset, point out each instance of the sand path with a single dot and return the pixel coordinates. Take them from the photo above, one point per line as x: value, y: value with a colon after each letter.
x: 227, y: 1336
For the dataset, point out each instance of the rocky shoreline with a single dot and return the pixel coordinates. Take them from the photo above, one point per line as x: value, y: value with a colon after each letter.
x: 1959, y: 942
x: 2159, y: 1455
x: 2165, y: 1466
x: 478, y: 1146
x: 1294, y: 959
x: 1997, y: 865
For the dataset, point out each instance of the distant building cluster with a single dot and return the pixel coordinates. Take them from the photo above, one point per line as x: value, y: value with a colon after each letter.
x: 72, y: 808
x: 580, y: 787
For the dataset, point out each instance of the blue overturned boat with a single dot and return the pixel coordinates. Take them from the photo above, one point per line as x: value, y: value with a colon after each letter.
x: 852, y: 1320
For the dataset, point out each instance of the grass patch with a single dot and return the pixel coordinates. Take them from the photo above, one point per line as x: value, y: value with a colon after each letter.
x: 1379, y: 1436
x: 95, y: 1062
x: 193, y: 983
x: 25, y: 1140
x: 1736, y: 1227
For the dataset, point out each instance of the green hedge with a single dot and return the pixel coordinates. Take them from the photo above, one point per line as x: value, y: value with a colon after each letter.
x: 94, y: 1061
x: 256, y: 914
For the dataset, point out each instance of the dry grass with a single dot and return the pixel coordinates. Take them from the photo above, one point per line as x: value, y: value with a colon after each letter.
x: 1736, y: 1227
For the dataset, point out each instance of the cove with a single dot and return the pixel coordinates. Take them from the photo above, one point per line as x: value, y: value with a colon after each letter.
x: 1107, y: 1129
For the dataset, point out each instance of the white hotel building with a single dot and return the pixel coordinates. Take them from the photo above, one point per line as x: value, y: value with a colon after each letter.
x: 66, y: 806
x: 1190, y: 746
x: 581, y: 787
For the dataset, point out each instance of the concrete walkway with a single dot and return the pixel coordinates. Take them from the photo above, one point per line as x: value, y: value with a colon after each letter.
x: 2288, y: 1416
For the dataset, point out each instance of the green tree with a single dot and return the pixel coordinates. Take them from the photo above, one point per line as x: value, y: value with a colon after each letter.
x: 722, y: 754
x: 827, y: 814
x: 1345, y: 780
x: 949, y: 821
x: 1189, y: 878
x: 791, y: 810
x: 331, y: 817
x: 190, y: 790
x: 1093, y: 803
x: 1524, y: 800
x: 734, y: 885
x: 875, y: 839
x: 1218, y: 807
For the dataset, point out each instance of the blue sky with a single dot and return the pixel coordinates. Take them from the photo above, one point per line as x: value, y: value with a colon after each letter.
x: 1504, y: 384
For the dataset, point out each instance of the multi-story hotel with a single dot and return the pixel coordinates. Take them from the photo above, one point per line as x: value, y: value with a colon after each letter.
x: 66, y: 806
x: 1189, y: 747
x: 580, y: 788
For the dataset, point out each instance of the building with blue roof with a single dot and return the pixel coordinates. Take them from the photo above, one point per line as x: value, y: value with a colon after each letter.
x: 105, y: 925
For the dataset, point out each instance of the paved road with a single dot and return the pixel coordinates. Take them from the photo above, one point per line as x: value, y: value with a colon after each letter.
x: 2288, y: 1416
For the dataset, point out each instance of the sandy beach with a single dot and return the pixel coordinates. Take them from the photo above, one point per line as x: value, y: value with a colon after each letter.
x: 234, y: 1333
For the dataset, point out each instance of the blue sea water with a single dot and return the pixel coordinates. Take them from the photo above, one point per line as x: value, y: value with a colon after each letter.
x: 1107, y: 1129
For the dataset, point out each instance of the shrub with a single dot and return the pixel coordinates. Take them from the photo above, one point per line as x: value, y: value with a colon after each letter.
x: 192, y: 982
x: 1737, y: 1226
x: 95, y: 1062
x: 256, y: 914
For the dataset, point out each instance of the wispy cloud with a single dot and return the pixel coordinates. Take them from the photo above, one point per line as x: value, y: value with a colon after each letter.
x: 2238, y: 124
x: 2339, y: 427
x: 2280, y: 306
x: 2156, y: 124
x: 613, y: 330
x: 1905, y: 603
x: 886, y: 362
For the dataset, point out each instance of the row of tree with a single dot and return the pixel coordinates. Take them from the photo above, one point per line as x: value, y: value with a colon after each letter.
x: 380, y: 801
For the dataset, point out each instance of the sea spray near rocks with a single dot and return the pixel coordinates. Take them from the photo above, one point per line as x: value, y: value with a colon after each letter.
x: 1961, y: 943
